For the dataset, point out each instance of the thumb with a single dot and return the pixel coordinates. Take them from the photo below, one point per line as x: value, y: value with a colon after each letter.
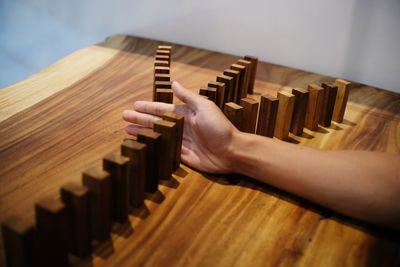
x: 185, y: 95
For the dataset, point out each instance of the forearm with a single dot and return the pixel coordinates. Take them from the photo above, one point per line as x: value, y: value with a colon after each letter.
x: 360, y: 184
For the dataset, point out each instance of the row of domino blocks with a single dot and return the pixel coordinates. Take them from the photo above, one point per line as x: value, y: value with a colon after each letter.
x: 291, y: 112
x: 162, y: 91
x: 234, y: 84
x: 84, y: 213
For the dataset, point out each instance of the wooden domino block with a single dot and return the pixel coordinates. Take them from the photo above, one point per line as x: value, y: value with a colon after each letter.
x: 203, y: 91
x: 163, y: 58
x: 163, y: 84
x: 164, y: 95
x: 52, y: 232
x: 220, y: 87
x: 76, y: 199
x: 235, y: 75
x: 250, y: 112
x: 162, y: 77
x: 136, y: 152
x: 212, y: 94
x: 152, y: 140
x: 253, y: 72
x: 341, y: 99
x: 328, y: 104
x: 160, y: 85
x: 165, y: 55
x: 267, y: 116
x: 164, y: 52
x: 161, y: 81
x: 161, y: 70
x: 247, y: 73
x: 99, y: 184
x: 228, y: 81
x: 117, y: 166
x: 242, y: 92
x: 299, y: 111
x: 18, y: 242
x: 180, y: 121
x: 234, y: 113
x: 169, y: 135
x: 161, y: 63
x: 165, y: 47
x: 314, y: 106
x: 284, y: 115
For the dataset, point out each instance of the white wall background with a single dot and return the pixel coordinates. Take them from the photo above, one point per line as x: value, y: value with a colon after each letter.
x: 354, y: 39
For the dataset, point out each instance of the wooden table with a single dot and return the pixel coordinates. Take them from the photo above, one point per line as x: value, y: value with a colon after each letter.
x: 64, y: 119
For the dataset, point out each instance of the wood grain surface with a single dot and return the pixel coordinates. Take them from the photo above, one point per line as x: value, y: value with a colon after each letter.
x: 48, y: 137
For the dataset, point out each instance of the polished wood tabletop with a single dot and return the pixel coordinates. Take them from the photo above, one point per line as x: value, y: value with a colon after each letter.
x: 64, y: 119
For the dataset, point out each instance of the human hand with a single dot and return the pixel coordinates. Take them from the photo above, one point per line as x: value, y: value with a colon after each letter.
x: 207, y: 133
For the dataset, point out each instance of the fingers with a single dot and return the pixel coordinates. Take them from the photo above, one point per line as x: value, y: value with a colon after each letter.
x: 142, y: 119
x: 186, y: 96
x: 155, y: 108
x: 134, y: 129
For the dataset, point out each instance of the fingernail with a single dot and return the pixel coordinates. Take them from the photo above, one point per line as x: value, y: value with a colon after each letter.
x: 125, y: 113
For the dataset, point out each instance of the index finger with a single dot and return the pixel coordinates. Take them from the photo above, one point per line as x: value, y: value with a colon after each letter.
x: 154, y: 108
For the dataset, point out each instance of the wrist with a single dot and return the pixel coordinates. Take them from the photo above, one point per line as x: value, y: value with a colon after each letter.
x: 238, y: 151
x: 249, y: 154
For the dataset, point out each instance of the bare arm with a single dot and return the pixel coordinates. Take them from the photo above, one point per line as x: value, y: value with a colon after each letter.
x: 363, y: 185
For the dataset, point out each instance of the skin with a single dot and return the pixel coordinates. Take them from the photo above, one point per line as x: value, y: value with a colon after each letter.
x: 364, y: 185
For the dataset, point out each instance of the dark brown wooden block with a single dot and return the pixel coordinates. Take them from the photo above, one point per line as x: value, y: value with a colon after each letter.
x: 152, y: 140
x: 242, y: 92
x: 220, y: 92
x: 229, y: 86
x: 253, y: 72
x: 235, y: 75
x: 299, y: 111
x: 314, y: 107
x: 163, y: 58
x: 203, y: 91
x: 164, y: 95
x: 169, y: 135
x: 161, y: 70
x: 234, y: 113
x: 162, y: 84
x: 165, y: 52
x: 267, y: 116
x: 99, y: 184
x: 77, y: 200
x: 117, y: 166
x: 18, y: 242
x: 212, y: 94
x: 328, y: 104
x: 180, y: 121
x: 247, y: 73
x: 284, y: 115
x: 161, y: 63
x: 165, y: 47
x: 162, y: 77
x: 52, y: 232
x: 341, y: 99
x: 136, y: 152
x: 250, y: 112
